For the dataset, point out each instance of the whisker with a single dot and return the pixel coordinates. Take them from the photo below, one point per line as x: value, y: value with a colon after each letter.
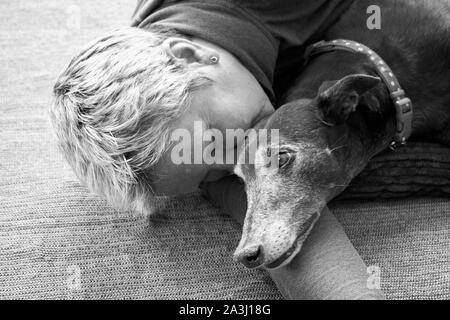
x: 295, y: 223
x: 337, y: 148
x: 319, y: 118
x: 341, y: 185
x: 339, y: 141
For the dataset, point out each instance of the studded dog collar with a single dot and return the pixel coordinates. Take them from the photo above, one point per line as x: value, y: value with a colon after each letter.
x: 403, y: 105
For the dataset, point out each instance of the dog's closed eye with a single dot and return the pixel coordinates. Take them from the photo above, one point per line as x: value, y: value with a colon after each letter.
x: 284, y: 158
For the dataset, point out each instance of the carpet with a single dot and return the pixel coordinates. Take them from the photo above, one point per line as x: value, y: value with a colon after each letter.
x: 58, y: 241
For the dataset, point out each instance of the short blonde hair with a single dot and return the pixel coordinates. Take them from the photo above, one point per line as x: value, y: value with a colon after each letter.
x: 114, y: 105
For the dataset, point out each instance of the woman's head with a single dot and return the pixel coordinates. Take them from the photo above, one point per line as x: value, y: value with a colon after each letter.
x: 119, y: 100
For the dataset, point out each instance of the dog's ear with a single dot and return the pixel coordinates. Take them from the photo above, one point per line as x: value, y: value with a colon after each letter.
x: 339, y: 99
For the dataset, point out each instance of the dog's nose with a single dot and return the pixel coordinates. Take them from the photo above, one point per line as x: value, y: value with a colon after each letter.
x: 251, y: 257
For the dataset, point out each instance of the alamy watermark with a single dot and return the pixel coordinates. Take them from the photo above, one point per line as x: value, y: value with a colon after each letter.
x: 212, y: 146
x: 374, y: 20
x: 73, y: 21
x: 374, y: 279
x: 73, y: 280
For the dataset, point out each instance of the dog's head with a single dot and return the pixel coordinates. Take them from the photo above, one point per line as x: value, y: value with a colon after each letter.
x: 316, y: 156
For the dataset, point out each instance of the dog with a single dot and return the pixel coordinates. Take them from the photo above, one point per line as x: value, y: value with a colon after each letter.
x: 354, y: 98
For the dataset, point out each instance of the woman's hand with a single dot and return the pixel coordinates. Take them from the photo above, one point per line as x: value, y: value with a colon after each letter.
x: 229, y: 194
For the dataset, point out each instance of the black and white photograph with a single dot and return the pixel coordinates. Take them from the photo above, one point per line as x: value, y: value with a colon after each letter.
x: 244, y: 151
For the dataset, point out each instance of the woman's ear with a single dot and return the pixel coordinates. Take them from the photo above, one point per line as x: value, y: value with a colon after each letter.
x: 189, y: 52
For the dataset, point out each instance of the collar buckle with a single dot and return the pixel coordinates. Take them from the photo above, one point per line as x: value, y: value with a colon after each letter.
x: 404, y: 116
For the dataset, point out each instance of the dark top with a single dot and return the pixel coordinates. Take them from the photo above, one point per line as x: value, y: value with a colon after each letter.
x: 267, y: 36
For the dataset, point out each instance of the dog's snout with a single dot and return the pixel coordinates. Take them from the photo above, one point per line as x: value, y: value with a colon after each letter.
x: 251, y: 257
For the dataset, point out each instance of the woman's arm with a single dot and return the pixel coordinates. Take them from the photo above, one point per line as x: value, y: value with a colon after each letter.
x: 328, y: 267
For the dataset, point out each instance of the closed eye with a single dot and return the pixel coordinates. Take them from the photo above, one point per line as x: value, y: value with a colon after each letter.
x: 284, y: 158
